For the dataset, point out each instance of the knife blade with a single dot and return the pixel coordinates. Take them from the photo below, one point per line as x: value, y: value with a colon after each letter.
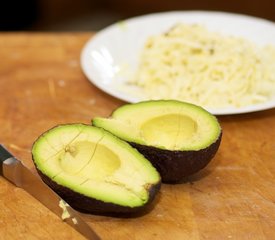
x: 14, y: 170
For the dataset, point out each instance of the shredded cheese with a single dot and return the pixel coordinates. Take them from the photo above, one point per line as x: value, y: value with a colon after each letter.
x: 190, y: 63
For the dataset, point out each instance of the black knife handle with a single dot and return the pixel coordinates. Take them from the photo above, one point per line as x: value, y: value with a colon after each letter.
x: 4, y: 155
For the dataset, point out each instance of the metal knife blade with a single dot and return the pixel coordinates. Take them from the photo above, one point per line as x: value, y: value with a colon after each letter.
x: 14, y: 170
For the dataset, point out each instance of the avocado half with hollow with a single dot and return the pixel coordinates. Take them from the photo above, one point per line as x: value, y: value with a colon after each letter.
x: 94, y: 171
x: 178, y: 138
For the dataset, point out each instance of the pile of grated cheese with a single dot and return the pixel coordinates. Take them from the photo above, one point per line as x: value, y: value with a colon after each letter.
x: 190, y: 63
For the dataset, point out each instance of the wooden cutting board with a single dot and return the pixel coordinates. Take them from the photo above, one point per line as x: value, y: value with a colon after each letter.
x: 42, y: 85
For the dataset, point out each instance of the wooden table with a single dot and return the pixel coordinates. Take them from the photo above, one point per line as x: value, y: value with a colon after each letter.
x: 42, y: 85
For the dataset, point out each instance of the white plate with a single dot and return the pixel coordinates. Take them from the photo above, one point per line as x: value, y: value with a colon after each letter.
x: 104, y: 54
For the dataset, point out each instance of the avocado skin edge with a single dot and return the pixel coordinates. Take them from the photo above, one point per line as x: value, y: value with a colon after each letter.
x: 174, y: 166
x: 86, y: 204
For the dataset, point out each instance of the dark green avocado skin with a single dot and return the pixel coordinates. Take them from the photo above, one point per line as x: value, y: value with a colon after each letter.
x: 174, y: 166
x: 86, y: 204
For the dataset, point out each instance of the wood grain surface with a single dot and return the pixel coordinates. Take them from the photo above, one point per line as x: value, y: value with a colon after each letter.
x: 42, y: 85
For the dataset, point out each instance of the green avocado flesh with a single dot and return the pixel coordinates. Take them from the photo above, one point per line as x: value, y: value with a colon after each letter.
x: 165, y: 124
x: 93, y: 163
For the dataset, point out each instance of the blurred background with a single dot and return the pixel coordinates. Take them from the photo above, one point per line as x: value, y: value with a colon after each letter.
x: 93, y: 15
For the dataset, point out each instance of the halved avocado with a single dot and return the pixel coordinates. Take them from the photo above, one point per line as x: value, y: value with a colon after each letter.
x: 178, y: 138
x: 94, y: 171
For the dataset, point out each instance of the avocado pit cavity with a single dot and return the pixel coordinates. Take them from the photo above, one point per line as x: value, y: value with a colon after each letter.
x: 89, y: 159
x: 168, y: 130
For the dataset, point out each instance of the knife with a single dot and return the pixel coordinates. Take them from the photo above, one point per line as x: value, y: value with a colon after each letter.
x: 14, y: 170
